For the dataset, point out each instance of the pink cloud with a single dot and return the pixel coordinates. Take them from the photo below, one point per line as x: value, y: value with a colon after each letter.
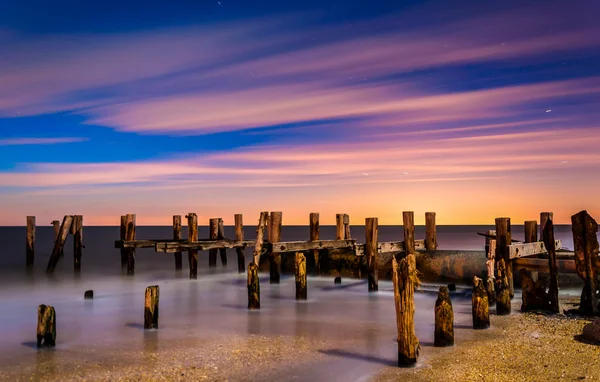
x: 38, y: 141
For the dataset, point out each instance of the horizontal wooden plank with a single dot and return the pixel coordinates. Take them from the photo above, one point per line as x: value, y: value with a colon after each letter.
x: 493, y: 236
x: 299, y: 246
x: 516, y: 251
x: 389, y: 246
x: 541, y: 265
x: 205, y: 245
x: 150, y: 243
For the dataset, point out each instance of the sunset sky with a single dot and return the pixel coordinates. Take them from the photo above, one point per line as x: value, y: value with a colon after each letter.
x: 471, y: 109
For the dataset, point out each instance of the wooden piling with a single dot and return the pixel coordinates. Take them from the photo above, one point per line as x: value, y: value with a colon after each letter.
x: 585, y: 241
x: 503, y: 305
x: 408, y: 223
x: 192, y: 237
x: 314, y: 236
x: 130, y: 236
x: 30, y: 242
x: 60, y: 243
x: 550, y: 247
x: 151, y: 307
x: 544, y: 217
x: 178, y: 256
x: 253, y: 286
x: 503, y: 240
x: 123, y: 236
x: 491, y: 255
x: 46, y: 326
x: 239, y: 236
x: 274, y: 237
x: 533, y: 293
x: 347, y: 226
x: 77, y: 226
x: 444, y: 319
x: 430, y: 232
x: 260, y: 232
x: 339, y: 227
x: 301, y: 280
x: 404, y: 276
x: 56, y: 228
x: 221, y: 236
x: 213, y: 233
x: 371, y: 252
x: 480, y: 305
x: 531, y: 236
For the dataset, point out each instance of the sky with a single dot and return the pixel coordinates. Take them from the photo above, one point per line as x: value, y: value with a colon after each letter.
x: 473, y: 110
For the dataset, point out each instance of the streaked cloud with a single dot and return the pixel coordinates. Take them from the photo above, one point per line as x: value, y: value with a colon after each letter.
x: 38, y: 141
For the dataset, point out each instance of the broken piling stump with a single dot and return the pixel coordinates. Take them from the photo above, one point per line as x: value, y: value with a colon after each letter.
x: 30, y: 242
x: 151, y: 307
x: 444, y: 319
x: 239, y: 236
x: 193, y: 237
x: 503, y: 305
x: 314, y: 236
x: 275, y: 237
x: 213, y: 233
x: 404, y: 277
x: 550, y: 247
x: 46, y: 327
x: 371, y: 252
x: 490, y: 288
x: 480, y: 305
x: 430, y: 232
x: 253, y: 287
x: 88, y: 295
x: 177, y: 236
x: 587, y: 263
x: 301, y: 281
x: 337, y: 280
x: 221, y: 236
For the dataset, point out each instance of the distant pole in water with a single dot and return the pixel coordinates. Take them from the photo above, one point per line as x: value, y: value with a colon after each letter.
x: 193, y: 237
x: 151, y: 307
x: 404, y: 277
x: 503, y: 305
x: 408, y: 223
x: 46, y: 326
x: 177, y: 236
x: 430, y: 232
x: 30, y: 242
x: 221, y: 236
x: 253, y: 287
x: 371, y: 252
x: 314, y: 236
x: 213, y: 234
x: 549, y: 243
x: 239, y: 236
x: 274, y: 237
x: 130, y: 236
x: 503, y: 240
x: 77, y: 226
x: 544, y: 217
x: 301, y: 281
x: 480, y: 305
x: 260, y: 232
x: 56, y: 228
x: 444, y: 319
x: 123, y: 236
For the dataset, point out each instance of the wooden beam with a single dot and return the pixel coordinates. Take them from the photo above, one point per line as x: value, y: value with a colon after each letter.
x: 541, y: 265
x: 516, y: 251
x: 389, y: 246
x: 299, y: 246
x: 204, y: 245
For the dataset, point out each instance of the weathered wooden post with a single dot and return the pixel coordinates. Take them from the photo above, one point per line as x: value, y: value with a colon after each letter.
x: 274, y: 237
x: 404, y: 276
x: 151, y: 307
x: 444, y: 319
x: 339, y: 227
x: 123, y: 236
x: 314, y: 235
x: 371, y: 252
x: 503, y: 305
x: 585, y: 241
x: 77, y: 226
x: 503, y: 240
x: 46, y: 326
x: 30, y: 242
x: 544, y: 217
x: 549, y: 243
x: 531, y: 237
x: 408, y: 223
x: 260, y: 232
x: 534, y: 294
x: 347, y: 227
x: 177, y: 236
x: 193, y: 237
x: 301, y: 281
x: 253, y: 286
x: 491, y: 255
x: 480, y: 305
x: 430, y: 232
x: 213, y: 234
x: 221, y: 236
x: 130, y: 236
x: 239, y: 236
x: 60, y: 243
x: 56, y: 228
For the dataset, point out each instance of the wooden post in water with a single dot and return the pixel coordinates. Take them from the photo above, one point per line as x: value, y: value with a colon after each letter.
x: 371, y: 252
x: 544, y: 217
x: 77, y: 226
x: 253, y: 286
x: 480, y: 305
x: 151, y: 307
x: 213, y: 233
x: 239, y: 236
x: 46, y: 326
x: 123, y: 236
x: 531, y: 236
x: 503, y: 305
x: 503, y: 240
x: 177, y: 236
x: 444, y: 319
x: 275, y: 236
x: 491, y: 254
x: 408, y: 222
x: 221, y: 236
x: 260, y: 232
x: 130, y: 236
x: 430, y: 232
x: 347, y: 227
x: 60, y: 243
x: 585, y: 241
x: 549, y: 243
x: 56, y: 229
x: 339, y: 227
x: 192, y: 237
x: 404, y: 277
x: 30, y: 242
x: 301, y: 281
x: 314, y: 235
